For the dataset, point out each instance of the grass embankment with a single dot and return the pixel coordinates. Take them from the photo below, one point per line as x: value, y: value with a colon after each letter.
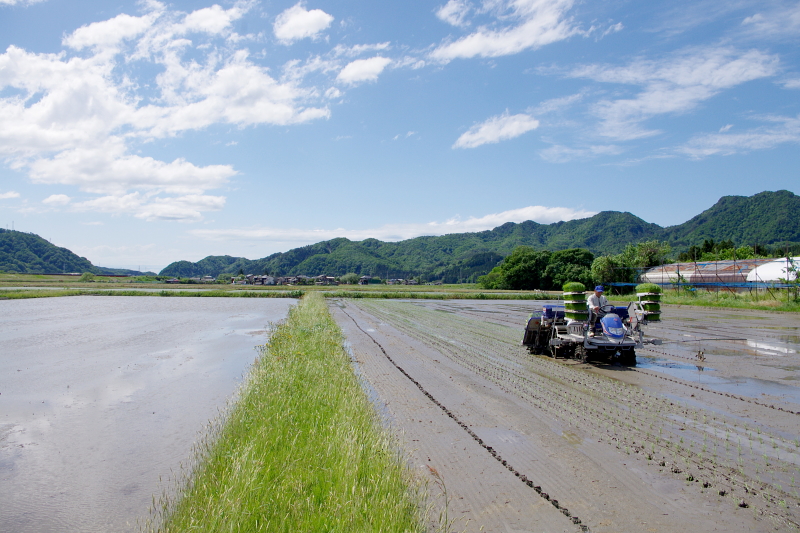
x: 301, y: 450
x: 776, y: 301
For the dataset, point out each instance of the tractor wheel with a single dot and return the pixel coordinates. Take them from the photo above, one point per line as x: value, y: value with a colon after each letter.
x: 628, y: 358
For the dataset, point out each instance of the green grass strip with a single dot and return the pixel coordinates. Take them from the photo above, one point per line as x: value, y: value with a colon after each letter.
x: 302, y: 449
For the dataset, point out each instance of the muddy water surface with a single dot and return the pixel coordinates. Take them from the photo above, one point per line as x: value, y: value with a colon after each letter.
x: 102, y: 396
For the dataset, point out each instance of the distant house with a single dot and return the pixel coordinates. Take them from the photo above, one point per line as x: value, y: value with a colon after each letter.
x: 208, y: 279
x: 173, y: 280
x: 260, y: 280
x: 325, y: 280
x: 364, y: 280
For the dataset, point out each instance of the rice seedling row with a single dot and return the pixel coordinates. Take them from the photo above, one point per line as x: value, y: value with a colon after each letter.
x: 522, y: 477
x: 712, y: 450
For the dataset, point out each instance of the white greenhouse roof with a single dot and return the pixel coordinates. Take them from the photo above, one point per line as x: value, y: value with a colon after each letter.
x: 774, y: 270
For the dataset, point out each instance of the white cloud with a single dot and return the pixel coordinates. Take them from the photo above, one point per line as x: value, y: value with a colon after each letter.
x: 780, y: 130
x: 362, y: 70
x: 75, y: 120
x: 8, y: 195
x: 188, y: 208
x: 19, y: 2
x: 496, y: 129
x: 212, y: 20
x: 298, y: 23
x: 676, y: 85
x: 454, y: 12
x: 793, y: 83
x: 554, y: 105
x: 57, y: 199
x: 725, y: 128
x: 109, y: 33
x: 614, y: 28
x: 107, y: 169
x: 397, y: 232
x: 534, y: 23
x: 781, y: 22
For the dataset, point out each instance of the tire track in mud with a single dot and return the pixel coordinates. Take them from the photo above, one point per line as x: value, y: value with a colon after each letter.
x: 697, y: 445
x: 522, y: 477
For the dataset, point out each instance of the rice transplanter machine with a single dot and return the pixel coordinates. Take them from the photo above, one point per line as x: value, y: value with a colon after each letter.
x: 615, y: 337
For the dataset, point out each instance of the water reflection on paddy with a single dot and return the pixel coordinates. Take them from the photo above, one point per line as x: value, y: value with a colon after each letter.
x: 99, y: 397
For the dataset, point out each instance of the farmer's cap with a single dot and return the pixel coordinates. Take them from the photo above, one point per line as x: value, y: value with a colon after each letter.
x: 599, y: 288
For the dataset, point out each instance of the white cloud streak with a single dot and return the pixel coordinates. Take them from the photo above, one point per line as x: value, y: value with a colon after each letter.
x: 8, y: 195
x: 397, y: 232
x: 563, y: 154
x: 298, y: 23
x: 779, y: 130
x: 675, y: 85
x: 496, y: 129
x: 534, y: 23
x: 780, y: 22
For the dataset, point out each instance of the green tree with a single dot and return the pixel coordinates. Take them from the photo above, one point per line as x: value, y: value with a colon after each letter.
x: 351, y: 278
x: 492, y: 280
x: 568, y: 265
x: 645, y: 254
x: 524, y: 268
x: 86, y: 276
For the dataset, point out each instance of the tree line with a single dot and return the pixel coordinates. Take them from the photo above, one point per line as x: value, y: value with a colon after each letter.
x: 528, y: 269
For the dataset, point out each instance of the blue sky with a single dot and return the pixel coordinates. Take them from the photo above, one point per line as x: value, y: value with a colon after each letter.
x: 137, y: 133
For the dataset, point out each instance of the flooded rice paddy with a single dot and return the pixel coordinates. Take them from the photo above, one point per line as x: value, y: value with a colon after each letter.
x: 100, y: 398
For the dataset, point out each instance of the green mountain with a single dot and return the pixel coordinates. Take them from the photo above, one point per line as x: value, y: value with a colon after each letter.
x: 767, y: 218
x: 27, y: 253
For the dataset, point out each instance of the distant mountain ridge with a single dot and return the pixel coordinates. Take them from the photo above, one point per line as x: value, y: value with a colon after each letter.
x: 767, y: 218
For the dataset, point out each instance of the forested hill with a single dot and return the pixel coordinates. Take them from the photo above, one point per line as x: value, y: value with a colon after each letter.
x: 27, y: 253
x: 767, y: 218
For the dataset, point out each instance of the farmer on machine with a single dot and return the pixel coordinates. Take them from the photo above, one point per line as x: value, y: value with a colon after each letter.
x: 596, y: 302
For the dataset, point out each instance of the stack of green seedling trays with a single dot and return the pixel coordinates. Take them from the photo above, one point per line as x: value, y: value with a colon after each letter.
x: 575, y: 301
x: 650, y: 297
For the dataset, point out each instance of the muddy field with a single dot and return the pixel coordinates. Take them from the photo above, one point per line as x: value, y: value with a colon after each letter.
x: 702, y: 435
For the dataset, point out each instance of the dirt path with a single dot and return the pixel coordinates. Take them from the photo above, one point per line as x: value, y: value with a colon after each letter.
x: 525, y: 443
